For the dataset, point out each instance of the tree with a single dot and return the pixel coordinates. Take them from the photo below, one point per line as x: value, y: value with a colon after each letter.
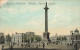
x: 64, y: 38
x: 38, y: 39
x: 32, y: 39
x: 28, y: 39
x: 58, y: 38
x: 2, y: 40
x: 24, y: 38
x: 8, y: 38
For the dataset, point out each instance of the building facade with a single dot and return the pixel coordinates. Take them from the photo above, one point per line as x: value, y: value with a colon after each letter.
x: 76, y: 36
x: 17, y: 38
x: 20, y: 38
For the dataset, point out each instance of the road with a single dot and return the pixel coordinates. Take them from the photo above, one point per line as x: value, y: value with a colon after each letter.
x: 48, y: 47
x: 30, y: 49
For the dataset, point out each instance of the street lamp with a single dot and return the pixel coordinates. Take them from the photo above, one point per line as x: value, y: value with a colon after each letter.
x: 72, y: 38
x: 76, y: 43
x: 11, y: 46
x: 18, y: 40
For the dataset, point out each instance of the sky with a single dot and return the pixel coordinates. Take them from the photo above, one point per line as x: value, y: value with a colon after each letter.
x: 29, y: 16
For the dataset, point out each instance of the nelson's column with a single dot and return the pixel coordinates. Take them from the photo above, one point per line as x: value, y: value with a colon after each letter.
x: 46, y: 33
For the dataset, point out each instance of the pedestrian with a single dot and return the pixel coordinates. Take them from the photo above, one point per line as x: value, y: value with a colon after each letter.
x: 47, y: 43
x: 11, y: 47
x: 61, y: 43
x: 65, y: 43
x: 37, y: 46
x: 2, y: 47
x: 43, y: 45
x: 68, y: 44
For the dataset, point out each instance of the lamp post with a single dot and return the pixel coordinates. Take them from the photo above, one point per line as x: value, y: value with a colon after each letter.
x: 18, y: 40
x: 76, y: 43
x: 72, y: 38
x: 2, y: 47
x: 11, y: 46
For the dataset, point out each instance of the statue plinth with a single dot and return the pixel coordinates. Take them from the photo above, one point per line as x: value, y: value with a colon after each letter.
x: 46, y: 36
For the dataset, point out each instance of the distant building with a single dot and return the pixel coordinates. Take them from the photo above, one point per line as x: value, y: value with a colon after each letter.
x: 62, y: 38
x: 69, y: 41
x: 76, y: 36
x: 30, y: 34
x: 17, y: 38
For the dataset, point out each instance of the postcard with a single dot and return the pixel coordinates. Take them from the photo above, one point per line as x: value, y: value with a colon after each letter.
x: 39, y: 24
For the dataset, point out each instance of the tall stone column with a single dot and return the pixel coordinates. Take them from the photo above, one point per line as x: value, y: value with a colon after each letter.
x: 46, y: 33
x: 46, y: 18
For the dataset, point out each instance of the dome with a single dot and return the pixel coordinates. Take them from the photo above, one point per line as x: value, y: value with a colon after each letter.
x: 76, y: 30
